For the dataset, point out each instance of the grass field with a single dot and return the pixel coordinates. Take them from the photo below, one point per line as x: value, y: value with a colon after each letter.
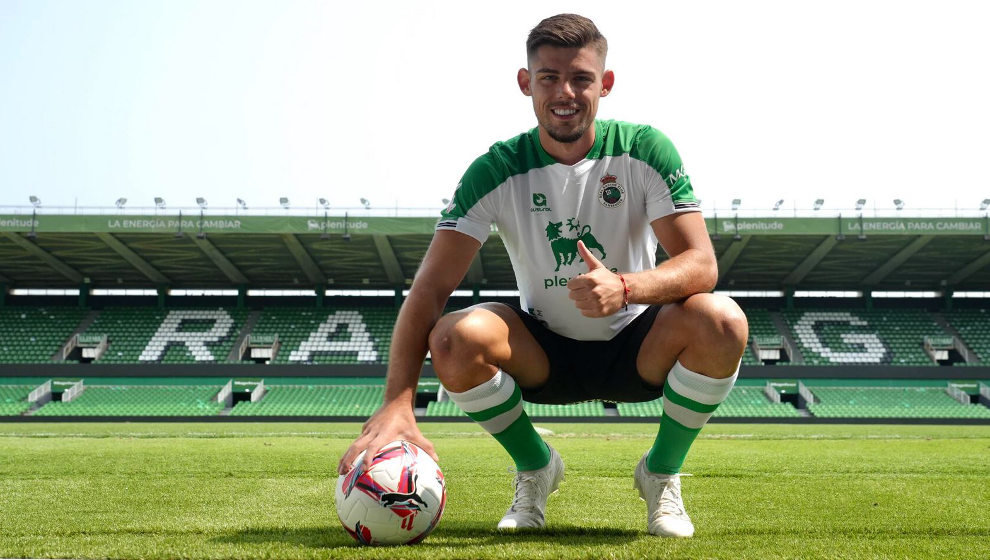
x: 265, y: 491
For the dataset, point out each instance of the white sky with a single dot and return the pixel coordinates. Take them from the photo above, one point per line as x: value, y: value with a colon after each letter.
x: 391, y: 100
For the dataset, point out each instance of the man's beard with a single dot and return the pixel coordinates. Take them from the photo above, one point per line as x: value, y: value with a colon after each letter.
x: 568, y: 138
x: 565, y: 134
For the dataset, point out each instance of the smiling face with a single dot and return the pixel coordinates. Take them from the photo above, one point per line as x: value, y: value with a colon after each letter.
x: 566, y: 84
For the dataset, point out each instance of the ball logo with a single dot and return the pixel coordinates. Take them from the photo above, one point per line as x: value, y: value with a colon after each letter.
x: 611, y: 193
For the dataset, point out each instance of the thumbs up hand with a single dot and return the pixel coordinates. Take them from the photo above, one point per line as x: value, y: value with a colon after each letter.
x: 598, y: 292
x: 588, y: 257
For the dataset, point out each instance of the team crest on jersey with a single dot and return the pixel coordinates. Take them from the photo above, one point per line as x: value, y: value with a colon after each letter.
x: 611, y: 193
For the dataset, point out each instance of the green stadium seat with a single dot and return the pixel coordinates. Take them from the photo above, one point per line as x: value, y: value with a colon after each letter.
x: 314, y: 400
x: 13, y: 399
x: 36, y: 334
x: 973, y: 326
x: 891, y: 402
x: 743, y: 401
x: 143, y: 400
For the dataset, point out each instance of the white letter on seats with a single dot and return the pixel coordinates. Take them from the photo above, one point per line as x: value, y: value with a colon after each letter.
x: 196, y: 341
x: 319, y: 340
x: 873, y: 348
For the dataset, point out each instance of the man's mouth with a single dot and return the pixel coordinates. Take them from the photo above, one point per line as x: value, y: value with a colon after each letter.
x: 564, y: 112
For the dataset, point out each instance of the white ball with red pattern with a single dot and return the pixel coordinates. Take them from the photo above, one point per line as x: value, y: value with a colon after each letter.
x: 399, y: 500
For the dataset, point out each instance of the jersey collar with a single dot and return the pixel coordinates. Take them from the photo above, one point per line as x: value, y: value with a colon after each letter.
x: 593, y: 153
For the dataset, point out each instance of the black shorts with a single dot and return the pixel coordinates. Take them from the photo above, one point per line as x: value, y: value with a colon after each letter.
x: 583, y: 370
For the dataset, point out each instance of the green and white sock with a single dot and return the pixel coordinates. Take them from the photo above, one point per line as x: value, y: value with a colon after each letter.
x: 689, y: 399
x: 497, y: 406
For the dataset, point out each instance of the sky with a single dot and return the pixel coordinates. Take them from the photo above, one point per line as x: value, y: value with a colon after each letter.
x: 390, y: 101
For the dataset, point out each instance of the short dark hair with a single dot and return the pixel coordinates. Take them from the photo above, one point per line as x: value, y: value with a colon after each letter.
x: 566, y: 30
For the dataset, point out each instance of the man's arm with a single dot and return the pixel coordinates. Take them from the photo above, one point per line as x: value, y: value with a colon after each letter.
x: 691, y: 269
x: 444, y: 266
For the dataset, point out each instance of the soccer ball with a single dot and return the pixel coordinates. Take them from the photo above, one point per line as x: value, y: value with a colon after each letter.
x: 399, y: 500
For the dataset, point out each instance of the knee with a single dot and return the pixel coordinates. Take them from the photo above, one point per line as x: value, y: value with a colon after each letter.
x: 458, y: 337
x: 718, y: 321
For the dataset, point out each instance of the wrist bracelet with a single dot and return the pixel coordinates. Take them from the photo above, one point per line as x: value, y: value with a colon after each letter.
x: 625, y: 293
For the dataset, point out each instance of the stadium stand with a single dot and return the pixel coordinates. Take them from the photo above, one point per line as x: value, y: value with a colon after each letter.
x: 847, y: 337
x: 584, y: 409
x: 341, y: 335
x: 865, y: 401
x: 13, y: 399
x: 973, y: 326
x: 746, y: 401
x: 177, y: 336
x: 588, y: 409
x: 151, y: 304
x: 743, y: 401
x: 34, y: 335
x: 437, y: 409
x: 314, y: 400
x: 143, y: 400
x: 760, y: 324
x: 360, y: 397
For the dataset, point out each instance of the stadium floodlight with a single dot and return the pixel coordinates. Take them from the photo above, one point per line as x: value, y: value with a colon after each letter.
x: 735, y: 203
x: 819, y: 203
x: 35, y: 201
x: 201, y: 202
x: 860, y: 203
x: 324, y: 204
x: 366, y: 203
x: 985, y: 204
x: 159, y: 202
x: 284, y: 201
x: 242, y: 204
x: 776, y: 205
x: 898, y: 204
x: 120, y: 202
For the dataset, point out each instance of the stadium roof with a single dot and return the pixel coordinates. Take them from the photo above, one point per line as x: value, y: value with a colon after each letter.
x: 293, y: 252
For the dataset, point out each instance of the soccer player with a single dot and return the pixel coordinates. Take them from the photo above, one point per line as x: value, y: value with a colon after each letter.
x: 580, y: 204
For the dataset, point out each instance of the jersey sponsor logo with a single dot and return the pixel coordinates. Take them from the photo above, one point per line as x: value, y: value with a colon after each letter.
x: 565, y: 248
x: 675, y: 176
x: 539, y: 203
x: 611, y: 193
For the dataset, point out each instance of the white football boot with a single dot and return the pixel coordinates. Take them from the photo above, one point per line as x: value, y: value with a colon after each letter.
x: 665, y: 515
x: 532, y: 490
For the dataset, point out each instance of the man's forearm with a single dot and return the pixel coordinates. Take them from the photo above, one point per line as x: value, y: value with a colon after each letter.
x: 409, y: 346
x: 691, y: 272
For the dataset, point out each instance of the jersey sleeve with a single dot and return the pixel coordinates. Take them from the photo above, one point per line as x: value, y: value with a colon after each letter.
x: 669, y: 188
x: 472, y: 208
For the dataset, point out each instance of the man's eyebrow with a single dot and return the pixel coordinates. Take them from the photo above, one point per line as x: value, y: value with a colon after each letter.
x: 555, y: 71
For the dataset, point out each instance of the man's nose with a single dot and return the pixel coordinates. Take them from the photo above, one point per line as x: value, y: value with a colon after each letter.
x: 566, y: 90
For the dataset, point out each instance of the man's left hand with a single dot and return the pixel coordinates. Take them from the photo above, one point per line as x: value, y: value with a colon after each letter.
x: 598, y: 292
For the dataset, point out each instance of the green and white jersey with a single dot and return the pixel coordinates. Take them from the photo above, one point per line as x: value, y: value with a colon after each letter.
x: 541, y: 208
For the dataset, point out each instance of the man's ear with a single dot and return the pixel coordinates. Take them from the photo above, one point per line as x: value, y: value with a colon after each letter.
x: 608, y: 80
x: 522, y: 77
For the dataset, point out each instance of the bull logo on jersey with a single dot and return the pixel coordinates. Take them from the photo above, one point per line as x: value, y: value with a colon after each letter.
x: 611, y: 193
x: 565, y: 248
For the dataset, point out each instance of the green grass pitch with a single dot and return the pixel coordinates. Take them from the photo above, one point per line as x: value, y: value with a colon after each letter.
x: 266, y: 491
